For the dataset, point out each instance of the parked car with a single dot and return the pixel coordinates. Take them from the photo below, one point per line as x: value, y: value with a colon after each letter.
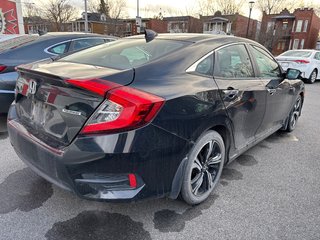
x: 307, y: 61
x: 150, y: 117
x: 32, y: 48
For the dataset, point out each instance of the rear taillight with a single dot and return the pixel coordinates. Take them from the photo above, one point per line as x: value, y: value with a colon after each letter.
x: 124, y: 108
x: 2, y: 68
x: 301, y: 61
x: 97, y: 86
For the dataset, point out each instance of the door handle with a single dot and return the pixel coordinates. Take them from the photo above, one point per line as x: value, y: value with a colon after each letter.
x: 272, y: 91
x: 231, y: 93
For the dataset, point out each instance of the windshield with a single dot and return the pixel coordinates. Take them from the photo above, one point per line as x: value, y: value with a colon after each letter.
x: 297, y: 54
x: 124, y: 54
x: 16, y: 42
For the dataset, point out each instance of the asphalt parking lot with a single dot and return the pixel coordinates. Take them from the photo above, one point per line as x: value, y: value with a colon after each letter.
x: 270, y: 192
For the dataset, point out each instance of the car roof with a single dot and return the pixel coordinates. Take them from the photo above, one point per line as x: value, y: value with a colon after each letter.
x: 194, y: 37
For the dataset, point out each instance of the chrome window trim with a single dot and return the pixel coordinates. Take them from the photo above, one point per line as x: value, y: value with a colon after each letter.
x: 46, y: 50
x: 193, y: 67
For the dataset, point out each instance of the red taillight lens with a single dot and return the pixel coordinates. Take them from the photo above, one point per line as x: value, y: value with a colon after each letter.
x: 132, y: 180
x: 125, y: 108
x: 2, y: 68
x: 301, y: 61
x: 97, y: 86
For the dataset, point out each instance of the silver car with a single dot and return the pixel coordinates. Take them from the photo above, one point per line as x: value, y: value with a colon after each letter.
x: 307, y: 61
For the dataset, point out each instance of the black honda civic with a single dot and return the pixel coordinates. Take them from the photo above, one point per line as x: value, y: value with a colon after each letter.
x: 153, y: 116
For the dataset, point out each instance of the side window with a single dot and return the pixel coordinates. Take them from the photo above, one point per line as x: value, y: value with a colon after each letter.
x: 60, y: 48
x: 79, y: 44
x: 233, y: 62
x: 267, y: 66
x: 317, y: 56
x: 205, y: 66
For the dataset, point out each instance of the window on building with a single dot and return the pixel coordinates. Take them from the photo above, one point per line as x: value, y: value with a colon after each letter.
x: 228, y: 27
x: 283, y: 45
x: 270, y: 26
x: 279, y: 45
x: 302, y: 44
x: 293, y: 26
x: 305, y: 26
x: 295, y: 44
x: 290, y: 44
x: 285, y: 25
x: 299, y: 25
x: 128, y: 27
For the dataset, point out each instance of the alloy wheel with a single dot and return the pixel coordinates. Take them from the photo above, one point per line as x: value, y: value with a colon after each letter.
x: 205, y: 168
x: 295, y: 113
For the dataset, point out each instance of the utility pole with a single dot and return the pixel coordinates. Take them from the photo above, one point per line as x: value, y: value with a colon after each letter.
x: 250, y: 10
x: 138, y: 19
x: 85, y: 16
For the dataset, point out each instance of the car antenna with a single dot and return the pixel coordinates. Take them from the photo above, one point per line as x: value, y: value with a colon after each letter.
x: 149, y: 35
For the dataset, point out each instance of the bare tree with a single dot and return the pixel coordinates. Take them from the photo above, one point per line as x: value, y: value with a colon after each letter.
x: 31, y: 10
x: 207, y: 7
x: 59, y: 12
x: 276, y: 6
x: 228, y: 7
x: 113, y: 9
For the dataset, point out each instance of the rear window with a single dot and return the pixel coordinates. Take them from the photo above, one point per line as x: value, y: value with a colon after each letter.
x: 16, y: 42
x: 297, y: 54
x: 124, y: 54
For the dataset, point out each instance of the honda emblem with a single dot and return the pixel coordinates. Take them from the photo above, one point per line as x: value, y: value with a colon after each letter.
x: 32, y: 87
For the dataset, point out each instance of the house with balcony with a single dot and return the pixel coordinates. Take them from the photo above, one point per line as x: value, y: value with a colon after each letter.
x: 286, y: 31
x: 234, y: 24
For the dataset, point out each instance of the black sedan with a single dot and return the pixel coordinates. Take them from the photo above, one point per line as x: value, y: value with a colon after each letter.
x: 26, y: 49
x: 150, y: 117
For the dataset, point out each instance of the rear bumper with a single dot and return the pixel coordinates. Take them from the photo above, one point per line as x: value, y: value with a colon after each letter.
x: 98, y: 167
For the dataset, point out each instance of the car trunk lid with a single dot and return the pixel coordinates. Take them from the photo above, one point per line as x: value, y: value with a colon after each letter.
x: 52, y: 109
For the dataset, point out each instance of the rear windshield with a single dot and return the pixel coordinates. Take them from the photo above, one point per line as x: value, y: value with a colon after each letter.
x: 124, y: 54
x: 16, y: 42
x: 297, y: 54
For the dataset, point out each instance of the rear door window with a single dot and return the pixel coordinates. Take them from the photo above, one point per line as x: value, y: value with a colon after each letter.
x: 233, y: 62
x: 79, y: 44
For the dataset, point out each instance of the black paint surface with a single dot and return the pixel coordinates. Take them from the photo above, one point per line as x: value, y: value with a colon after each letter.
x: 98, y: 225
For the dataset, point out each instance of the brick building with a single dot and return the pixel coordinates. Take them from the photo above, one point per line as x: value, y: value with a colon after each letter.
x: 234, y: 24
x: 183, y: 24
x: 157, y: 25
x: 99, y: 23
x: 285, y: 31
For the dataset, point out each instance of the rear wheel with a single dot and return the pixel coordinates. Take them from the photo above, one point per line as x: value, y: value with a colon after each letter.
x: 294, y: 115
x: 313, y: 77
x: 204, y: 167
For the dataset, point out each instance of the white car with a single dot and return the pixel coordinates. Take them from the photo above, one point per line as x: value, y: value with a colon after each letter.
x: 307, y: 61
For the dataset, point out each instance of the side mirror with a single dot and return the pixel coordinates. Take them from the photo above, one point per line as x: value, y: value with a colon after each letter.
x: 293, y: 74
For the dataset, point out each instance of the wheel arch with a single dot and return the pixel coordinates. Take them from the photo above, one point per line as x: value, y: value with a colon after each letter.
x: 226, y: 133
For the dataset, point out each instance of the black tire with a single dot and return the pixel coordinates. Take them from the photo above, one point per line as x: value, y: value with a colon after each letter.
x: 294, y: 115
x: 313, y: 76
x: 204, y: 167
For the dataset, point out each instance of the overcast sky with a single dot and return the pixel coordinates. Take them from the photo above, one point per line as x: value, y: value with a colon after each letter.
x: 177, y: 7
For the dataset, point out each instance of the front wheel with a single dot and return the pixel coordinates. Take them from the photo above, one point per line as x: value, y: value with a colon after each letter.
x: 204, y: 167
x: 294, y: 115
